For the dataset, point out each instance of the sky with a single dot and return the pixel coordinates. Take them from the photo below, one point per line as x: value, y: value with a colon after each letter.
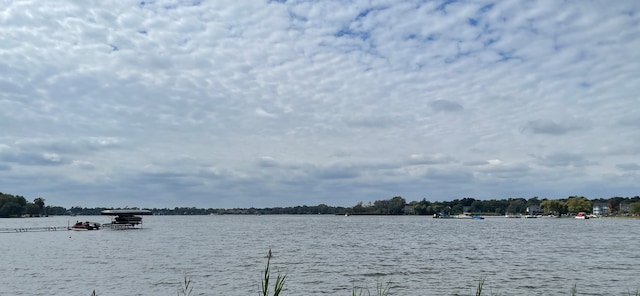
x: 253, y: 103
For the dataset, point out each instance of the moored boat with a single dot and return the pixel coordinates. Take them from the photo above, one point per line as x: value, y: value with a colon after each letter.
x: 582, y: 215
x: 469, y: 216
x: 80, y: 226
x: 464, y: 216
x: 441, y: 215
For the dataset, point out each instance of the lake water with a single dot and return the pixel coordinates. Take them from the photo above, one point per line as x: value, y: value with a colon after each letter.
x: 324, y: 255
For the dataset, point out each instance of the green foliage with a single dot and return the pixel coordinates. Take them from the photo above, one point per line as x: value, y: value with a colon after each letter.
x: 16, y: 206
x: 381, y: 290
x: 517, y: 205
x: 280, y: 279
x: 39, y: 202
x: 635, y: 208
x: 579, y: 204
x: 554, y: 207
x: 396, y: 205
x: 185, y: 288
x: 479, y: 288
x: 10, y: 209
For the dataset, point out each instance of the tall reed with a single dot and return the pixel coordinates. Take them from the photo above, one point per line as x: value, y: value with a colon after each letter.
x: 479, y: 288
x: 381, y: 290
x: 280, y: 279
x: 185, y: 288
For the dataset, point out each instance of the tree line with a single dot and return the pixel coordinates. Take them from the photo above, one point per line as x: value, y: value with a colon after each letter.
x: 18, y: 206
x: 557, y: 207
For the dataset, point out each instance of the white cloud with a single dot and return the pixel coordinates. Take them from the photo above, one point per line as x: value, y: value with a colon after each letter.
x: 338, y: 95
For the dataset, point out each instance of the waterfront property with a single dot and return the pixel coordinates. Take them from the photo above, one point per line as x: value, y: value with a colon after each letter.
x: 600, y: 209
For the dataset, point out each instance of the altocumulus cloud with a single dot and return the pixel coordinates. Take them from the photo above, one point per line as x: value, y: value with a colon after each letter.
x: 275, y: 103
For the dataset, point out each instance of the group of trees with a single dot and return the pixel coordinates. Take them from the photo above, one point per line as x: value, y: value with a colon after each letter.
x: 571, y: 204
x: 18, y: 206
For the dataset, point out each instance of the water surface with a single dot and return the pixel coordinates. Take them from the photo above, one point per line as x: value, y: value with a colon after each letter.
x: 324, y: 255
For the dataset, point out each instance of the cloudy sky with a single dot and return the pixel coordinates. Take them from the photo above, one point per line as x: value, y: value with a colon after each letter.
x: 260, y: 103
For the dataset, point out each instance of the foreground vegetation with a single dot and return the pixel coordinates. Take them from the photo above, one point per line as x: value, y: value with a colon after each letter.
x: 186, y: 286
x: 18, y: 206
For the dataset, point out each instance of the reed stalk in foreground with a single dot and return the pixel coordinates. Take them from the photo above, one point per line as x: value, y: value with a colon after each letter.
x: 381, y: 290
x: 280, y: 279
x: 479, y: 289
x: 186, y: 288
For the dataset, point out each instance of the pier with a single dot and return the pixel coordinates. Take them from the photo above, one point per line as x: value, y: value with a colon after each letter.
x: 33, y: 229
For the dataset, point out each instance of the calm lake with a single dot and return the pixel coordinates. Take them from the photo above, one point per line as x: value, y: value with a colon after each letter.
x: 324, y: 255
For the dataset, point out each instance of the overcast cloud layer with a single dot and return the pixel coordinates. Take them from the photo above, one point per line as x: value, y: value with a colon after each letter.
x: 284, y: 103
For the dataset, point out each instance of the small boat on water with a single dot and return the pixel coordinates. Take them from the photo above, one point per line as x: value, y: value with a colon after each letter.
x: 81, y: 226
x: 469, y: 216
x: 582, y: 215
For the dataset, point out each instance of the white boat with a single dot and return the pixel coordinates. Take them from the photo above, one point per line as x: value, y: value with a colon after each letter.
x: 464, y: 216
x: 469, y: 216
x: 582, y: 215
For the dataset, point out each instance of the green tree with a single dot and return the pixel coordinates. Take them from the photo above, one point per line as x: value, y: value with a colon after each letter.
x: 12, y: 205
x: 32, y: 210
x: 517, y: 205
x: 554, y: 207
x: 381, y: 207
x: 39, y: 202
x: 635, y: 208
x: 359, y: 208
x: 579, y: 204
x: 396, y: 205
x: 476, y: 206
x: 11, y: 209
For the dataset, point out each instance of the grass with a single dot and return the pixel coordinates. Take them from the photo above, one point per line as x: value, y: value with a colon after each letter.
x: 479, y: 288
x: 381, y: 290
x: 185, y: 288
x: 280, y: 279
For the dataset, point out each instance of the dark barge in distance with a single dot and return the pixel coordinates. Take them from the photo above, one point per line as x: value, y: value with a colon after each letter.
x: 125, y: 219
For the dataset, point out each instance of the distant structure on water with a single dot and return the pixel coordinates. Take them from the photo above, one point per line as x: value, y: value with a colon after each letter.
x: 125, y: 219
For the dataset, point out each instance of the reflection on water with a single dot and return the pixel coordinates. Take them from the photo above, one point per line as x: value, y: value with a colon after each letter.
x: 324, y: 255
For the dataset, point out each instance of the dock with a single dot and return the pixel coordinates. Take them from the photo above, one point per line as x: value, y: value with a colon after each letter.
x: 33, y: 229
